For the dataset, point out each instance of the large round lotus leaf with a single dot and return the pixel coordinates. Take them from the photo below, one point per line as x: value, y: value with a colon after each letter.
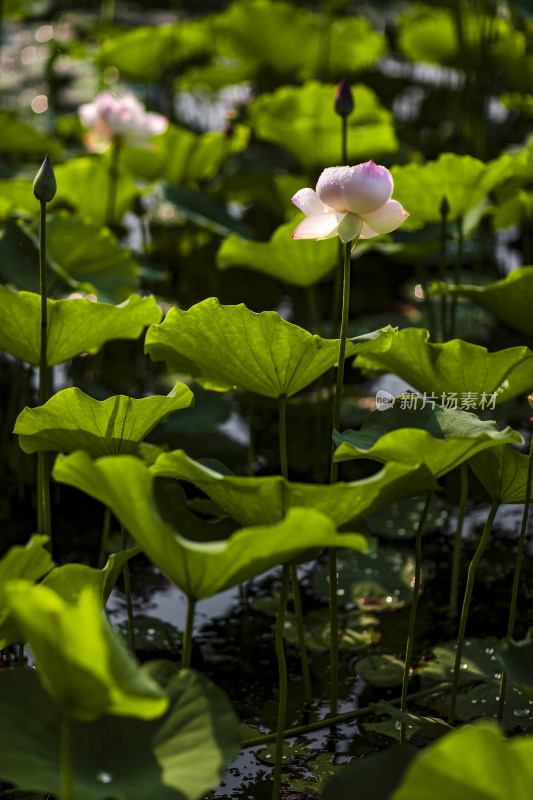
x: 510, y: 299
x: 469, y: 376
x: 30, y: 562
x: 82, y: 662
x: 303, y: 121
x: 177, y: 757
x: 463, y: 180
x: 439, y: 437
x: 478, y: 663
x: 71, y: 420
x: 200, y: 569
x: 473, y: 762
x: 230, y: 346
x: 140, y: 54
x: 266, y: 500
x: 181, y: 156
x: 517, y: 659
x: 83, y: 183
x: 503, y: 473
x: 482, y: 700
x: 431, y: 34
x: 74, y: 326
x: 299, y: 263
x: 23, y: 142
x: 381, y: 670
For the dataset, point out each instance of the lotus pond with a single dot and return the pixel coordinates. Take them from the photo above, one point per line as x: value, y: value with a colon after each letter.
x: 266, y: 392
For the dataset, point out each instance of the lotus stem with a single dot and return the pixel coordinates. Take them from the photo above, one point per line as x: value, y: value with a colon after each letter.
x: 44, y: 521
x: 466, y: 605
x: 112, y: 186
x: 251, y: 434
x: 444, y: 208
x: 516, y: 578
x: 294, y: 573
x: 186, y: 653
x: 457, y: 273
x: 456, y: 562
x: 414, y: 606
x: 283, y: 681
x: 106, y: 527
x: 127, y: 587
x: 67, y: 775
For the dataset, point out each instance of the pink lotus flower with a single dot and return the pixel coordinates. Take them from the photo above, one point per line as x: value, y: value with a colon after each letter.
x: 119, y: 119
x: 349, y: 202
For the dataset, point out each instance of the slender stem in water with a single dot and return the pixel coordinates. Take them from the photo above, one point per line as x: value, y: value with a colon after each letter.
x: 112, y: 186
x: 414, y: 606
x: 456, y: 563
x: 516, y: 579
x: 186, y: 653
x: 43, y: 476
x: 283, y: 682
x: 127, y: 586
x: 67, y: 774
x: 466, y: 605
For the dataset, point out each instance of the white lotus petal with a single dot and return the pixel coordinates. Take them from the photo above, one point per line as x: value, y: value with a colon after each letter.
x: 350, y: 227
x: 366, y: 232
x: 362, y: 189
x: 309, y: 202
x: 389, y: 217
x: 318, y: 226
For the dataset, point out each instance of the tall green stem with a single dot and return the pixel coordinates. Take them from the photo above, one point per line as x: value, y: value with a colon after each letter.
x: 466, y: 605
x: 127, y: 586
x: 516, y: 578
x: 444, y: 208
x: 43, y: 476
x: 293, y: 571
x: 456, y: 562
x: 186, y: 653
x: 457, y: 273
x: 414, y: 606
x: 106, y: 527
x: 283, y: 682
x: 112, y: 186
x: 67, y: 774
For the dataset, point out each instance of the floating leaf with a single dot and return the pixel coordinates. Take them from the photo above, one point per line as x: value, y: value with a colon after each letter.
x: 503, y: 473
x: 474, y: 761
x: 125, y: 485
x: 356, y: 630
x: 420, y: 188
x: 71, y: 420
x: 483, y: 699
x: 439, y: 437
x: 177, y: 757
x: 517, y: 659
x: 226, y: 346
x: 82, y: 662
x: 380, y: 670
x: 266, y: 500
x: 29, y: 562
x: 509, y: 299
x: 303, y: 121
x: 299, y: 263
x: 455, y: 372
x: 479, y: 662
x: 74, y: 326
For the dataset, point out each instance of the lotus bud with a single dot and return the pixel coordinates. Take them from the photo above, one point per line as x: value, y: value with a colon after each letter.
x: 344, y: 102
x: 44, y: 185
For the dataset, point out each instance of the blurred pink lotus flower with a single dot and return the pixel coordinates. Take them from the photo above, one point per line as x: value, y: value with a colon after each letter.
x: 349, y: 202
x: 119, y: 119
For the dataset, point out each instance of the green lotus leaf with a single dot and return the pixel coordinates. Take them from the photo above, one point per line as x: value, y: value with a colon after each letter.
x: 439, y: 437
x: 70, y: 580
x: 482, y: 700
x: 71, y: 420
x: 29, y: 562
x: 181, y: 156
x: 23, y: 142
x: 453, y: 373
x: 74, y: 326
x: 82, y: 255
x: 517, y: 659
x: 200, y: 569
x: 266, y: 500
x: 433, y: 726
x: 82, y: 662
x: 142, y: 53
x: 83, y: 184
x: 16, y: 194
x: 299, y: 263
x: 509, y: 299
x: 371, y: 778
x: 205, y: 210
x: 303, y: 121
x: 479, y: 663
x: 381, y: 670
x: 475, y: 761
x: 420, y: 188
x: 177, y: 757
x: 503, y: 473
x: 288, y: 42
x: 230, y: 346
